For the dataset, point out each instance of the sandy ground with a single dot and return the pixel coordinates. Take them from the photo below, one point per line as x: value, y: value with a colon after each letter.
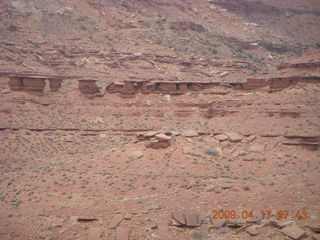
x: 65, y: 156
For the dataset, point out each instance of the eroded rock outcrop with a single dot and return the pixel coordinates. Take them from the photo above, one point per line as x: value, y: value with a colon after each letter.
x: 171, y: 87
x: 88, y: 86
x: 15, y: 83
x: 32, y: 84
x: 131, y: 87
x: 55, y: 84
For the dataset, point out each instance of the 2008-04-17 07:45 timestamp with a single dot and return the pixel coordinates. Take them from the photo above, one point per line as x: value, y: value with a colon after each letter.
x: 265, y: 214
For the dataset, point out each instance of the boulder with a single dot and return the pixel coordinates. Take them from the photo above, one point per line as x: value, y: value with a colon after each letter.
x: 221, y: 137
x: 135, y: 154
x: 234, y: 137
x: 293, y: 232
x: 163, y: 137
x: 190, y: 133
x: 252, y: 230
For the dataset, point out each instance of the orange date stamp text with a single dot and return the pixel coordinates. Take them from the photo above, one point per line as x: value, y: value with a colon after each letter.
x: 264, y: 214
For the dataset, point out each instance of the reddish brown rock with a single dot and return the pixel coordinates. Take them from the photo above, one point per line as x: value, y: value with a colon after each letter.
x: 281, y: 223
x: 148, y: 87
x: 151, y: 225
x: 252, y: 230
x: 16, y: 84
x: 167, y: 87
x: 280, y: 83
x: 179, y: 217
x: 34, y: 84
x: 221, y: 137
x: 251, y: 138
x: 253, y: 84
x: 294, y: 232
x: 88, y: 86
x: 183, y: 87
x: 116, y: 221
x: 55, y: 84
x: 150, y: 134
x: 129, y: 88
x: 127, y: 216
x: 190, y: 133
x: 163, y: 137
x: 192, y: 219
x: 234, y: 137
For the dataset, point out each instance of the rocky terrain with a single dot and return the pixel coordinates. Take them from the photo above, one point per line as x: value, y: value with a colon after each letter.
x: 159, y: 120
